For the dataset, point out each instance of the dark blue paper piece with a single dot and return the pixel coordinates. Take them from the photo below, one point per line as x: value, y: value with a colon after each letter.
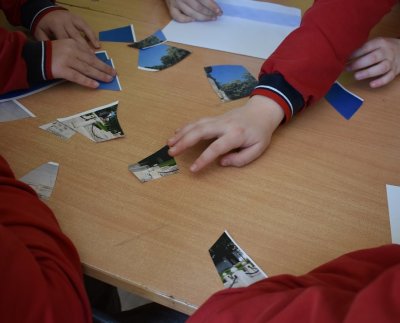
x: 345, y: 102
x: 114, y: 85
x: 124, y: 34
x: 14, y: 95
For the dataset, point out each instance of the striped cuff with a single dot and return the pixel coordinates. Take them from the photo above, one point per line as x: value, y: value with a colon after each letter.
x: 275, y: 87
x: 34, y: 10
x: 37, y: 56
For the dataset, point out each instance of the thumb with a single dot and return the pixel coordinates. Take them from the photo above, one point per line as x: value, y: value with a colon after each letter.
x: 40, y: 34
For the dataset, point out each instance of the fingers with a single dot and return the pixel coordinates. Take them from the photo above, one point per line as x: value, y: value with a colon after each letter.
x: 367, y: 60
x: 373, y: 70
x: 191, y: 134
x: 177, y: 15
x: 61, y: 24
x: 212, y: 5
x: 189, y: 10
x: 218, y: 148
x: 87, y: 31
x: 77, y: 63
x: 383, y: 80
x: 243, y: 157
x: 368, y: 47
x: 41, y: 35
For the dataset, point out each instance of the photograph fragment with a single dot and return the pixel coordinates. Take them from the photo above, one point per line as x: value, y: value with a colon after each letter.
x: 230, y: 82
x: 59, y: 129
x: 160, y: 57
x: 42, y: 179
x: 155, y: 166
x: 234, y: 266
x: 153, y: 40
x: 13, y: 110
x: 99, y: 124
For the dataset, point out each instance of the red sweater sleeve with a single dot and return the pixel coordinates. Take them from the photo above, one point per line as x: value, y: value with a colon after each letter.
x: 24, y: 63
x: 309, y: 60
x: 363, y: 286
x: 40, y: 271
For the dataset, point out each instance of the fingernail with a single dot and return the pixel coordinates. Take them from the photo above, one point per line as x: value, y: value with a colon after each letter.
x: 172, y: 150
x: 96, y: 84
x: 194, y: 168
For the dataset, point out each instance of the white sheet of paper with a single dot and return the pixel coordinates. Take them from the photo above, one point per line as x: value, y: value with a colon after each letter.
x: 393, y: 196
x: 247, y: 27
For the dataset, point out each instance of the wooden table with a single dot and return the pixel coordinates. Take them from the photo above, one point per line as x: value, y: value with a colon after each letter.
x: 318, y: 191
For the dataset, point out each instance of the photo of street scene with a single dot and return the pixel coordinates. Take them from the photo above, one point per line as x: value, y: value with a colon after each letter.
x: 155, y: 166
x: 59, y: 129
x: 160, y: 57
x: 155, y: 39
x: 99, y: 124
x: 230, y: 82
x: 234, y: 266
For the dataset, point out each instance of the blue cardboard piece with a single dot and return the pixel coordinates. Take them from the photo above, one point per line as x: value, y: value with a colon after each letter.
x: 345, y: 102
x: 124, y: 34
x: 114, y: 85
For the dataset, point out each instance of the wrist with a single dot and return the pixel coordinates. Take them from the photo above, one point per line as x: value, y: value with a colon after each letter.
x: 267, y: 110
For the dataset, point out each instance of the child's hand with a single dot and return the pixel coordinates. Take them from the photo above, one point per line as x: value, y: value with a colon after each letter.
x: 246, y: 130
x: 77, y: 63
x: 190, y: 10
x: 378, y: 58
x: 61, y: 24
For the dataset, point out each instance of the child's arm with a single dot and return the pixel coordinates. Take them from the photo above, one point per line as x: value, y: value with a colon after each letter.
x: 25, y: 63
x: 297, y: 74
x: 190, y: 10
x: 249, y: 128
x: 378, y: 58
x: 40, y: 271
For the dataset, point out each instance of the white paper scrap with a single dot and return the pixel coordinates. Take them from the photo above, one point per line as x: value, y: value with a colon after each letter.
x: 393, y: 197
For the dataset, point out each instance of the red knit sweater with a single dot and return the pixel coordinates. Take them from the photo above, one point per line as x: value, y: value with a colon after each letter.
x: 40, y: 271
x: 24, y: 63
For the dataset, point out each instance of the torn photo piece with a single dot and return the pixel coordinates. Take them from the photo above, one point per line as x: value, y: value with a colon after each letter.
x: 18, y: 94
x: 160, y: 57
x: 153, y: 40
x: 234, y: 266
x: 99, y: 124
x: 13, y: 110
x: 124, y: 34
x: 230, y: 82
x: 42, y: 179
x: 393, y: 198
x: 344, y: 101
x: 59, y: 129
x: 155, y: 166
x: 114, y: 85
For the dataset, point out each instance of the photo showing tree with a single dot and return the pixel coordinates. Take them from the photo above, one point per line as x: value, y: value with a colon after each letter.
x: 155, y: 39
x: 160, y: 57
x: 230, y: 82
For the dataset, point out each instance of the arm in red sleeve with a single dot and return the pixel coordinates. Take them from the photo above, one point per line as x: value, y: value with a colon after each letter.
x: 40, y: 271
x: 362, y: 286
x: 309, y: 60
x: 24, y: 63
